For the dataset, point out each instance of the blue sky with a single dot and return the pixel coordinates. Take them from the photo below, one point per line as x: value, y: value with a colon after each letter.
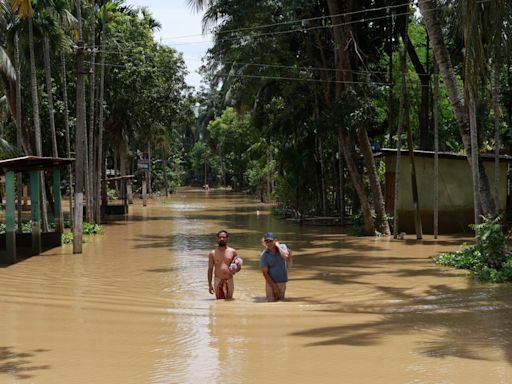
x: 181, y: 29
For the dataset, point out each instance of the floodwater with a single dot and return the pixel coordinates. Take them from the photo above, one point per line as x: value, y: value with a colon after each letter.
x: 135, y: 307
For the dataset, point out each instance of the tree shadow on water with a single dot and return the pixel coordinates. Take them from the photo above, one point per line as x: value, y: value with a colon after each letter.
x: 17, y: 365
x: 472, y: 323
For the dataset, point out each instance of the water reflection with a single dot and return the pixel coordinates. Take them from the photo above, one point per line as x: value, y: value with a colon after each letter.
x: 135, y: 308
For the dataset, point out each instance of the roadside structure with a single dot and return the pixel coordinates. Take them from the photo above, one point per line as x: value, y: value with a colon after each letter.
x: 456, y: 210
x: 14, y: 246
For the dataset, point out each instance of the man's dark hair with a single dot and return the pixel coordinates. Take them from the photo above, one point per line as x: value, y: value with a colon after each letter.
x: 223, y: 231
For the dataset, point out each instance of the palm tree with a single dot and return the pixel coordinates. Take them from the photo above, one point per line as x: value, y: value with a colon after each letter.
x: 80, y: 137
x: 429, y: 12
x: 52, y: 16
x: 99, y: 157
x: 26, y: 12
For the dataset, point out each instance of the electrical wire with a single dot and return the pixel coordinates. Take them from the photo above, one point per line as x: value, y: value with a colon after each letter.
x: 270, y: 77
x: 302, y: 29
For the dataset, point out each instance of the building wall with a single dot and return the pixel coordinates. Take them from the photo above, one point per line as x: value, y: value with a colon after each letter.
x: 455, y: 192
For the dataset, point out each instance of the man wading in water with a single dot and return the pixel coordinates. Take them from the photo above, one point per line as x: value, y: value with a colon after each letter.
x: 274, y: 266
x: 226, y: 263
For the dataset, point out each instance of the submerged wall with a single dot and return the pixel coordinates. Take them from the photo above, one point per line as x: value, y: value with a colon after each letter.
x: 455, y: 192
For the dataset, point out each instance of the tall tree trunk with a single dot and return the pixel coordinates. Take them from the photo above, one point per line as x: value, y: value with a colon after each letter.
x: 164, y: 170
x: 99, y: 160
x: 35, y: 98
x: 323, y: 198
x: 49, y: 92
x: 150, y: 190
x: 497, y: 141
x: 401, y: 119
x: 93, y: 195
x: 474, y: 152
x: 423, y: 75
x: 429, y: 12
x: 19, y: 132
x: 391, y: 101
x: 37, y: 121
x: 357, y: 182
x: 80, y: 137
x: 414, y: 185
x: 67, y: 136
x: 17, y: 65
x: 341, y: 178
x: 435, y: 114
x: 343, y: 74
x: 379, y: 206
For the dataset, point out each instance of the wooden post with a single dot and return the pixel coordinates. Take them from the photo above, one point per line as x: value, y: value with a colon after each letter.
x: 10, y: 222
x: 35, y: 209
x: 144, y: 188
x: 435, y: 113
x: 25, y: 197
x: 59, y: 216
x: 129, y: 191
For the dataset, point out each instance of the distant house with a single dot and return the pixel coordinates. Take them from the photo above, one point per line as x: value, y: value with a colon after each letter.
x: 455, y: 189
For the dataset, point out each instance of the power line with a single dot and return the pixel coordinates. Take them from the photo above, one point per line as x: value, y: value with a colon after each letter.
x: 271, y: 77
x: 311, y: 19
x: 264, y: 65
x: 297, y: 29
x: 326, y: 17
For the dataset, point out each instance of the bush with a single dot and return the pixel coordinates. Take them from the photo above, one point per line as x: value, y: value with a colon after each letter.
x: 67, y: 238
x: 92, y: 229
x: 488, y: 260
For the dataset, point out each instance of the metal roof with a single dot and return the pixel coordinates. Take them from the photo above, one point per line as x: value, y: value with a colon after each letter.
x: 33, y: 163
x: 444, y: 155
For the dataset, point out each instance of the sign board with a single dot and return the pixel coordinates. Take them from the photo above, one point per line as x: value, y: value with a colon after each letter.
x: 143, y: 164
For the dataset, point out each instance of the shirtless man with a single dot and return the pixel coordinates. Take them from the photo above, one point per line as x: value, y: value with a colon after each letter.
x: 226, y: 262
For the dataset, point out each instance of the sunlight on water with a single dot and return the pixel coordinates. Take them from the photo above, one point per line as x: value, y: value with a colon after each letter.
x: 135, y: 308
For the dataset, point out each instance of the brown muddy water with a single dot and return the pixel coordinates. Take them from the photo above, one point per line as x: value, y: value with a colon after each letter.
x: 135, y: 307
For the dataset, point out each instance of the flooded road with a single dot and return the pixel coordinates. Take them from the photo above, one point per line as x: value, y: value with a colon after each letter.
x: 135, y: 307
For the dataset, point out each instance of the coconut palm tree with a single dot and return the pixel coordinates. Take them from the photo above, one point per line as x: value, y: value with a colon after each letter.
x: 5, y: 63
x: 80, y: 137
x: 26, y: 12
x: 429, y: 11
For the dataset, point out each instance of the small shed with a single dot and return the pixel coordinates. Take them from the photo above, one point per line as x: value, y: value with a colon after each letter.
x: 36, y: 241
x: 117, y: 209
x: 456, y: 211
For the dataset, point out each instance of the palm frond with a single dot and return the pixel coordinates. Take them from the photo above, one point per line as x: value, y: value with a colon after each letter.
x: 197, y: 5
x: 23, y: 8
x: 7, y: 150
x: 6, y: 65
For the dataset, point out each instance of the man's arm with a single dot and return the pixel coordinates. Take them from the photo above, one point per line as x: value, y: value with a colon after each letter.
x: 210, y: 272
x: 284, y: 252
x: 268, y: 279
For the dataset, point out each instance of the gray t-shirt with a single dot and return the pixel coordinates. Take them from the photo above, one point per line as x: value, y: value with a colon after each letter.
x: 277, y: 267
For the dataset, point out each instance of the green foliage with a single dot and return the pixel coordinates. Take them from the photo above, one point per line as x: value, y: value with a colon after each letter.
x: 26, y: 227
x: 92, y: 229
x: 200, y: 155
x: 234, y: 135
x: 112, y: 194
x: 466, y: 258
x: 67, y: 238
x: 488, y: 260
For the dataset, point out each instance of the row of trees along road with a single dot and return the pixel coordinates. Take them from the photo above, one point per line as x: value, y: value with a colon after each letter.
x: 86, y: 79
x: 297, y: 95
x: 319, y: 83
